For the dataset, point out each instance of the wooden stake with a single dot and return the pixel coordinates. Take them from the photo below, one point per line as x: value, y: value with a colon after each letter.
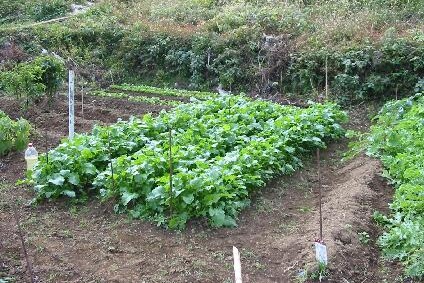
x: 110, y: 158
x: 47, y: 146
x: 396, y: 91
x: 320, y: 194
x: 21, y: 236
x: 326, y: 78
x: 237, y: 265
x: 82, y: 102
x: 170, y: 167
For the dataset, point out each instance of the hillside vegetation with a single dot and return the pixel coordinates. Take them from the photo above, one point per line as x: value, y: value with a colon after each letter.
x: 372, y: 48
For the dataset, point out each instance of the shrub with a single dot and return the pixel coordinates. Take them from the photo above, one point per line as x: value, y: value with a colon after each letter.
x: 13, y: 134
x: 48, y: 9
x: 29, y: 80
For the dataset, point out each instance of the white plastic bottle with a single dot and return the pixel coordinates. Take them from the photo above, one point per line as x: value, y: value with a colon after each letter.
x: 31, y: 156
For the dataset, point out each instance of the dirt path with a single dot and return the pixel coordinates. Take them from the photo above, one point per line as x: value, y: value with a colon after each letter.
x: 89, y: 243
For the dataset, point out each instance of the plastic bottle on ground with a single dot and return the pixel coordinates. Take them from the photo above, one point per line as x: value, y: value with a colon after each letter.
x: 31, y: 156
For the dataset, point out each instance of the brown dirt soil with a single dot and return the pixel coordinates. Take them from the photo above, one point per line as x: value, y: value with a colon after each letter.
x: 89, y: 243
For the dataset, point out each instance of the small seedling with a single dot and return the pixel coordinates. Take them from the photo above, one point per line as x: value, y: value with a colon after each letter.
x: 321, y: 273
x: 364, y: 237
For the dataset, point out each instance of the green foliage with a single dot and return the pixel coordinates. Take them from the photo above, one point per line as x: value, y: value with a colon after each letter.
x: 165, y: 91
x: 13, y: 134
x: 223, y: 150
x: 48, y: 9
x: 136, y: 98
x: 11, y: 10
x: 359, y: 74
x: 321, y: 273
x: 53, y: 74
x: 364, y: 237
x: 23, y: 82
x: 29, y: 80
x: 374, y: 49
x: 191, y: 12
x: 38, y: 10
x: 397, y: 139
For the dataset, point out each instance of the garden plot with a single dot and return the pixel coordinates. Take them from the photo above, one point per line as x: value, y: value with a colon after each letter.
x: 274, y: 234
x: 199, y: 160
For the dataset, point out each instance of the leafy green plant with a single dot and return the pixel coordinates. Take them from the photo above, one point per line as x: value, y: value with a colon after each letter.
x: 24, y: 82
x: 14, y: 135
x: 53, y: 74
x: 223, y: 149
x: 165, y: 91
x: 320, y: 273
x: 28, y: 81
x: 397, y: 139
x: 136, y: 98
x: 364, y: 237
x: 48, y: 9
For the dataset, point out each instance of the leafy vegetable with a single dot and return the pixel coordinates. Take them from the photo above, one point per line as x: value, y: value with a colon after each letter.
x: 223, y: 149
x: 13, y: 134
x: 165, y: 91
x: 397, y: 139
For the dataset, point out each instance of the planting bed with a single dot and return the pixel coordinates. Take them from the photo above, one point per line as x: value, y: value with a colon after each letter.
x: 71, y: 242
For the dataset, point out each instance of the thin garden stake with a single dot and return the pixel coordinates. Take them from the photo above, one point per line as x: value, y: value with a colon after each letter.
x: 320, y: 194
x: 21, y: 236
x: 110, y: 158
x: 326, y: 78
x: 82, y: 102
x: 47, y: 146
x: 170, y: 167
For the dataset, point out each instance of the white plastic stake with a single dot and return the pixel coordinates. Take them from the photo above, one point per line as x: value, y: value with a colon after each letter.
x: 321, y: 253
x: 237, y: 265
x: 71, y: 94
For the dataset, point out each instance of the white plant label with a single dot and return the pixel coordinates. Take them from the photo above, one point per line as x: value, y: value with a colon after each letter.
x: 237, y: 265
x: 321, y: 253
x: 71, y: 94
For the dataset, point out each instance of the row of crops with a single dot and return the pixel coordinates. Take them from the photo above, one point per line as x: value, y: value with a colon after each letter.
x: 222, y: 150
x: 165, y: 91
x: 156, y: 96
x: 13, y: 134
x: 154, y: 100
x: 397, y: 139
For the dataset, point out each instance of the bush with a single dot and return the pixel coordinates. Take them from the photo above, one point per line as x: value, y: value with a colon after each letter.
x: 28, y: 81
x: 48, y: 9
x: 13, y: 134
x: 362, y: 73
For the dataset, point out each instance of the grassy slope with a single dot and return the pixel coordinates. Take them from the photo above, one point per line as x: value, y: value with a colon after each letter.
x: 156, y: 42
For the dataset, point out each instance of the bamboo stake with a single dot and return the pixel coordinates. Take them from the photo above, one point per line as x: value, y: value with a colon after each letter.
x: 326, y: 78
x: 82, y: 102
x: 170, y: 167
x: 21, y: 236
x: 110, y: 158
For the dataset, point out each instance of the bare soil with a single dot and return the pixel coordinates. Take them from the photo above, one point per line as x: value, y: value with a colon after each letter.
x: 89, y: 243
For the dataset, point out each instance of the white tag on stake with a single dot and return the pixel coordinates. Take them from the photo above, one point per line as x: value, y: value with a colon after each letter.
x: 321, y: 253
x: 237, y: 265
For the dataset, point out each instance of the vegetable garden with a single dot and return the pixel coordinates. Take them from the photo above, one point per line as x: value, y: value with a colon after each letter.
x: 165, y: 176
x: 397, y: 139
x: 221, y: 151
